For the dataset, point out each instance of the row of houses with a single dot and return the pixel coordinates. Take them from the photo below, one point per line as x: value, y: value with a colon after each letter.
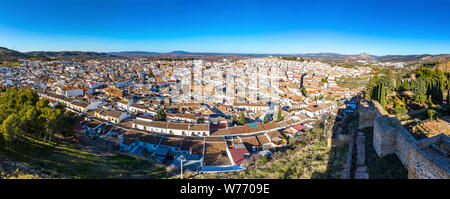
x: 201, y: 153
x: 313, y: 110
x: 252, y: 106
x: 110, y: 115
x: 255, y: 128
x: 171, y: 128
x: 140, y: 108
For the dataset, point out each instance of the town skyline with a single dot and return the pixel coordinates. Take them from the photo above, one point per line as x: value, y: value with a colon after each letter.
x: 255, y: 89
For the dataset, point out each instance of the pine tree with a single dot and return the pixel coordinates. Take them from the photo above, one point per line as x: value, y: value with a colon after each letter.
x: 304, y: 92
x: 419, y: 89
x: 266, y: 118
x: 398, y: 83
x: 429, y: 101
x: 234, y: 119
x: 382, y: 96
x: 242, y: 118
x: 279, y: 116
x: 448, y: 96
x: 379, y: 92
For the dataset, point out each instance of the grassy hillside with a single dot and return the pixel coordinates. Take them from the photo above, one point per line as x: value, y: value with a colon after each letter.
x: 68, y: 161
x: 444, y: 67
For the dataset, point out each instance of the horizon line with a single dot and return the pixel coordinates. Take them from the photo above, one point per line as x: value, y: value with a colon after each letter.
x: 159, y: 52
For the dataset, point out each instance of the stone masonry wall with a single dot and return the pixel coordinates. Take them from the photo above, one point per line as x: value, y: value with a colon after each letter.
x: 422, y: 165
x: 404, y: 141
x: 368, y: 111
x: 366, y: 114
x: 391, y: 137
x: 384, y: 136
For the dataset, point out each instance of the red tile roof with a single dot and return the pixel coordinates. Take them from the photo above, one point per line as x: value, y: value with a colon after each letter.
x: 238, y: 155
x: 299, y: 127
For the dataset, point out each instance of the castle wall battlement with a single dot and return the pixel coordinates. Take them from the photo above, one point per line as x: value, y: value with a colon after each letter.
x: 424, y: 159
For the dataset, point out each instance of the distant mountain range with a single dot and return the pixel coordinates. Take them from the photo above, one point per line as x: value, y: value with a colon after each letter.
x: 7, y: 54
x: 180, y: 52
x: 185, y: 53
x: 68, y: 54
x: 12, y: 55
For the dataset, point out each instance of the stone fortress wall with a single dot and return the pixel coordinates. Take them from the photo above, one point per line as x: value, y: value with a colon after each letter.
x: 424, y: 159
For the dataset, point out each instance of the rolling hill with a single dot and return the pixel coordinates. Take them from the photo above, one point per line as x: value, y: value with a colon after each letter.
x: 10, y: 55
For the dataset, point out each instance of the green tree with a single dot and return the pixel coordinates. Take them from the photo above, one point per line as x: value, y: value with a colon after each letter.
x: 279, y: 116
x: 429, y: 102
x: 23, y: 114
x: 67, y: 122
x: 31, y: 122
x: 266, y: 118
x: 431, y: 114
x: 11, y: 129
x: 371, y: 91
x: 234, y: 119
x: 419, y: 89
x: 399, y: 109
x: 382, y: 96
x: 304, y: 92
x: 51, y: 122
x: 161, y: 115
x: 448, y: 96
x: 405, y: 86
x: 242, y: 118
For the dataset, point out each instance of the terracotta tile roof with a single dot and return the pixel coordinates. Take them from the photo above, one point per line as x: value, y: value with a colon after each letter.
x: 263, y: 139
x: 191, y: 144
x: 177, y: 126
x: 172, y: 141
x: 290, y: 131
x: 274, y: 134
x: 131, y: 136
x: 238, y: 155
x: 152, y: 139
x: 199, y: 127
x: 299, y: 127
x: 215, y: 153
x: 214, y: 139
x: 194, y: 138
x: 111, y: 113
x: 249, y: 104
x: 237, y: 130
x: 270, y: 125
x: 158, y: 124
x: 80, y: 104
x: 254, y: 127
x: 220, y: 132
x: 250, y: 141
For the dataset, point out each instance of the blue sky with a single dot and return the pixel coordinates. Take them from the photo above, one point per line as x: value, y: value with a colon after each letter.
x: 247, y: 26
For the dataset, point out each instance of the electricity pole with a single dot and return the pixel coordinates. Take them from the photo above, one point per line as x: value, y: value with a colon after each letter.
x: 181, y: 163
